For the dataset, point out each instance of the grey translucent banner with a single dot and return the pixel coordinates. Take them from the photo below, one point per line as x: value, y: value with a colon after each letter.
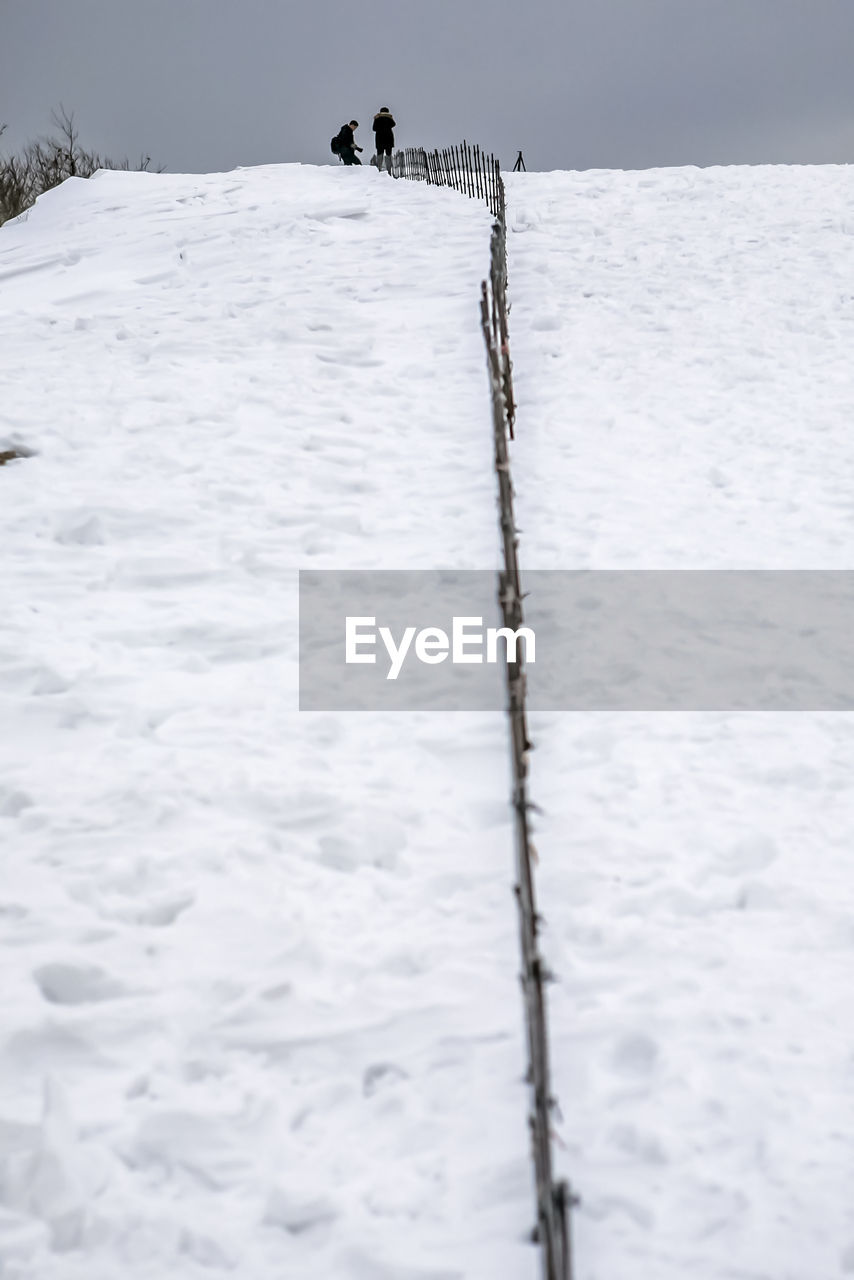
x: 601, y: 640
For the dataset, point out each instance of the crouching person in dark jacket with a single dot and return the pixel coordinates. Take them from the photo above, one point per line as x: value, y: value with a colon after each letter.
x: 383, y: 127
x: 348, y: 147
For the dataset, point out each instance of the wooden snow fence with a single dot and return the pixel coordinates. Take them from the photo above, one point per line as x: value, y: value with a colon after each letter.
x: 474, y: 173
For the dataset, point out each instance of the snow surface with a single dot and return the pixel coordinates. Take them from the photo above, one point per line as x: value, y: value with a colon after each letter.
x: 682, y: 344
x: 259, y: 1012
x: 265, y: 963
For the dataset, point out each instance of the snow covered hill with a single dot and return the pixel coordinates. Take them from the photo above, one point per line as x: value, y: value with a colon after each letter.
x: 683, y: 363
x: 259, y: 1012
x: 259, y: 1006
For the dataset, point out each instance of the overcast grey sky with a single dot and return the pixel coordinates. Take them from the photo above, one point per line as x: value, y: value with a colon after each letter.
x: 209, y: 84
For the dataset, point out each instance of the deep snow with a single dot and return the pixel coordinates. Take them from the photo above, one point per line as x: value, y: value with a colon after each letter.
x: 682, y: 343
x: 259, y: 1009
x: 266, y: 960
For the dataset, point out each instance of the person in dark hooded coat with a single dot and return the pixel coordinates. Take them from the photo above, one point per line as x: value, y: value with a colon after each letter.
x: 383, y: 127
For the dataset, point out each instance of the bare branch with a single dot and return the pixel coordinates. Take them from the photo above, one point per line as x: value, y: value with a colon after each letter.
x: 47, y: 162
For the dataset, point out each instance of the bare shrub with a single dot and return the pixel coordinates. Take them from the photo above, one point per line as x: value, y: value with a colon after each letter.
x: 47, y: 162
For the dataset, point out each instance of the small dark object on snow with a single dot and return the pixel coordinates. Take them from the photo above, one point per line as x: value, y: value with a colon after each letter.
x: 11, y: 455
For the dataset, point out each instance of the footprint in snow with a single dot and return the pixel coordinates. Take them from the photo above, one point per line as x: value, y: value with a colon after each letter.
x: 14, y: 802
x: 165, y: 911
x: 69, y: 984
x: 359, y: 1266
x: 752, y: 853
x: 379, y: 1075
x: 644, y: 1147
x: 635, y: 1055
x: 86, y: 532
x: 295, y: 1213
x: 546, y: 323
